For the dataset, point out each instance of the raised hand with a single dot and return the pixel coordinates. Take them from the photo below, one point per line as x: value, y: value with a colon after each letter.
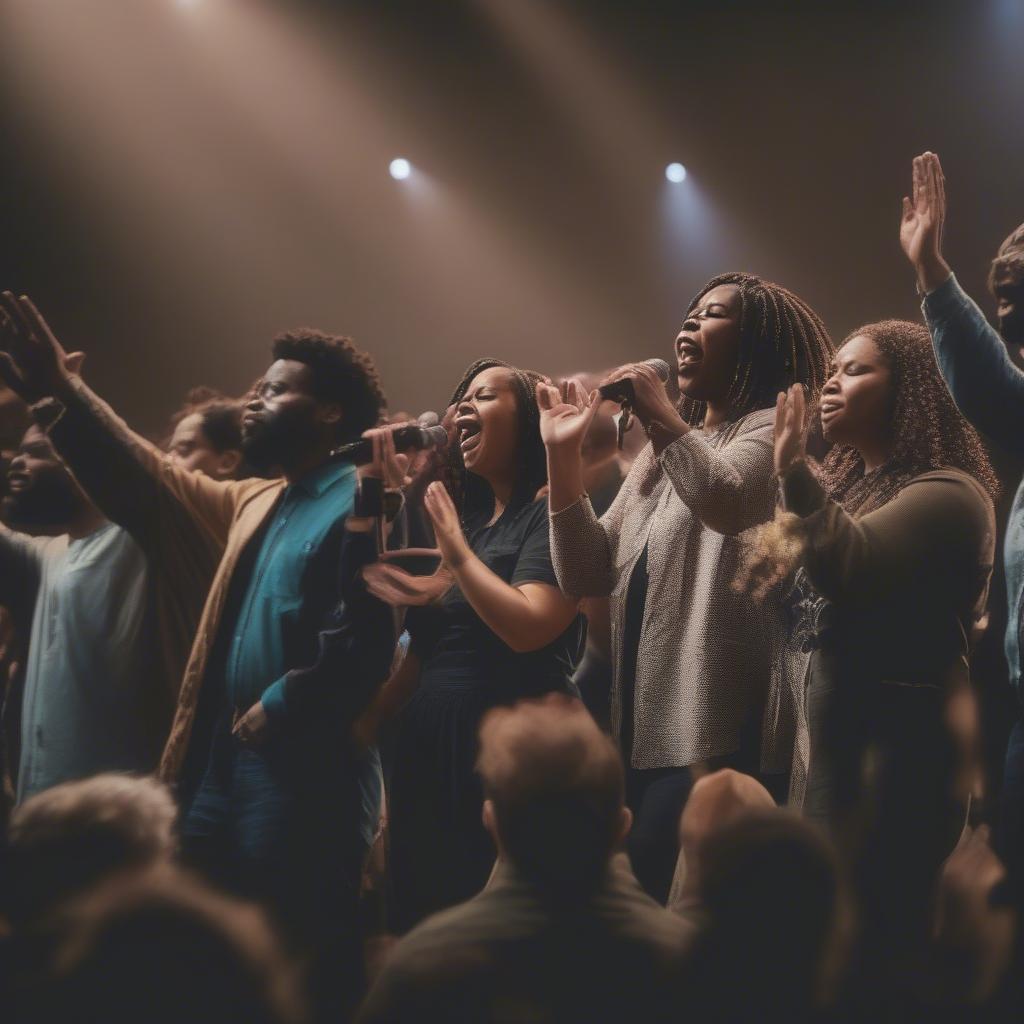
x: 33, y: 363
x: 564, y: 420
x: 921, y: 226
x: 790, y: 433
x: 451, y: 540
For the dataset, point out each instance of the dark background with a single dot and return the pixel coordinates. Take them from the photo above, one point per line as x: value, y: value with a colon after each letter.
x: 182, y: 180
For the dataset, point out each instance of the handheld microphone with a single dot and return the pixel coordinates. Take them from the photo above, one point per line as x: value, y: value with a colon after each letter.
x: 621, y: 391
x: 410, y: 437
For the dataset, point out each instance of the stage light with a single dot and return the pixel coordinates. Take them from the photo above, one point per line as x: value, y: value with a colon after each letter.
x: 675, y: 173
x: 400, y: 169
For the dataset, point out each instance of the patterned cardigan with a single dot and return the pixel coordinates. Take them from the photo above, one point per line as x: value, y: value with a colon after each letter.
x: 709, y: 656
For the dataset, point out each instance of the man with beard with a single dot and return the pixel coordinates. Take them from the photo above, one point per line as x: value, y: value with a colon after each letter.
x: 285, y: 805
x: 988, y: 388
x: 82, y: 582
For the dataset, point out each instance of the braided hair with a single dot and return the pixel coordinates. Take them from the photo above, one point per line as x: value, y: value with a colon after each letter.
x: 928, y: 431
x: 782, y: 342
x: 472, y: 494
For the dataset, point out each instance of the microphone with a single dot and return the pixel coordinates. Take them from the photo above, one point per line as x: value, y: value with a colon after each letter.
x: 621, y: 391
x: 409, y: 437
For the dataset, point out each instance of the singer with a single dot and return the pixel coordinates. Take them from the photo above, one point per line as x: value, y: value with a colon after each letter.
x: 690, y: 688
x: 501, y: 630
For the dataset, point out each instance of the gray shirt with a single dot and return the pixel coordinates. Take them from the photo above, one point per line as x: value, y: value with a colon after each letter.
x: 83, y: 709
x: 708, y: 655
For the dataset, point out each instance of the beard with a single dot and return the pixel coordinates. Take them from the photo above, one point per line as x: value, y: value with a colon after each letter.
x: 47, y: 505
x: 274, y: 443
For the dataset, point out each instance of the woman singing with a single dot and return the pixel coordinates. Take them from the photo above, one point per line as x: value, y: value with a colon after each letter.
x: 698, y: 671
x: 493, y: 627
x: 895, y: 547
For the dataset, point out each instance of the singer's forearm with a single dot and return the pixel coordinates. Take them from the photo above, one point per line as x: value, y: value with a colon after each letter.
x: 565, y: 477
x: 526, y: 618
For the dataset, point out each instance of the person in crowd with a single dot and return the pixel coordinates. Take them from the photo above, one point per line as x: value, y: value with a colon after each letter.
x: 774, y: 938
x: 72, y: 836
x: 164, y: 948
x: 94, y: 697
x: 206, y: 434
x: 562, y: 931
x: 716, y: 800
x: 278, y: 671
x: 975, y: 934
x: 893, y: 547
x: 492, y: 627
x: 988, y: 388
x: 694, y: 682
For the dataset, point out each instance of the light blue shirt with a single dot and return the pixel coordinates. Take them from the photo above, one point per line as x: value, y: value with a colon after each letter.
x: 83, y: 709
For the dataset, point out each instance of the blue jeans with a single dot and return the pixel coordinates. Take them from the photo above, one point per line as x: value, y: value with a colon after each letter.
x: 285, y: 825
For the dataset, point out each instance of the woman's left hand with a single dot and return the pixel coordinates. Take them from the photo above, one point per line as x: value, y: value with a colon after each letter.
x: 651, y: 404
x: 790, y: 435
x: 447, y: 529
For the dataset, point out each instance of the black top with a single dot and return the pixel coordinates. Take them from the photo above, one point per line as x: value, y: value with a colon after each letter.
x: 455, y: 645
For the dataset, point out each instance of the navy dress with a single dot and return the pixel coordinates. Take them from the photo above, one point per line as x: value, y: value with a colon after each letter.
x: 440, y: 851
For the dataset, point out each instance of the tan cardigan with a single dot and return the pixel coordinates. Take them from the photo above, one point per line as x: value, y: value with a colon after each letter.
x: 708, y: 656
x: 193, y: 529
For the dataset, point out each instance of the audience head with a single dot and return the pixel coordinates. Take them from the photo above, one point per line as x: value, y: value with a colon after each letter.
x: 554, y: 793
x: 207, y: 434
x: 497, y: 433
x: 775, y: 917
x: 163, y: 948
x: 886, y: 396
x: 41, y: 495
x: 715, y: 801
x: 1006, y: 282
x: 67, y: 838
x: 320, y: 391
x: 745, y: 339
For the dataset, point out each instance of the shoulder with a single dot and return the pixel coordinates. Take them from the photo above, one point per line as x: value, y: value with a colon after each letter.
x: 949, y: 499
x: 442, y: 941
x: 759, y: 424
x: 953, y: 487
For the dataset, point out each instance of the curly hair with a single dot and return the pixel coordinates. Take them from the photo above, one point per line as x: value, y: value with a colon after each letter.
x: 342, y: 373
x: 221, y: 418
x: 473, y: 495
x: 927, y: 431
x: 1009, y: 261
x: 782, y: 342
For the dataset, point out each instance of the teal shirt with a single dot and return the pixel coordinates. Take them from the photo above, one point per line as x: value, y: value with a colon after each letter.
x: 292, y: 587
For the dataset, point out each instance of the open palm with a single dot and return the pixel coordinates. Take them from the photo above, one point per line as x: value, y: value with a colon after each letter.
x: 924, y: 212
x: 564, y: 421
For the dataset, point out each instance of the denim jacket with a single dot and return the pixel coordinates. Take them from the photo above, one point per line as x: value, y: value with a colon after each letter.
x: 989, y: 390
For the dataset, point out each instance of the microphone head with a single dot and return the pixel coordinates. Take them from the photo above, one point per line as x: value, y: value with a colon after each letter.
x: 436, y: 436
x: 659, y: 366
x: 428, y: 419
